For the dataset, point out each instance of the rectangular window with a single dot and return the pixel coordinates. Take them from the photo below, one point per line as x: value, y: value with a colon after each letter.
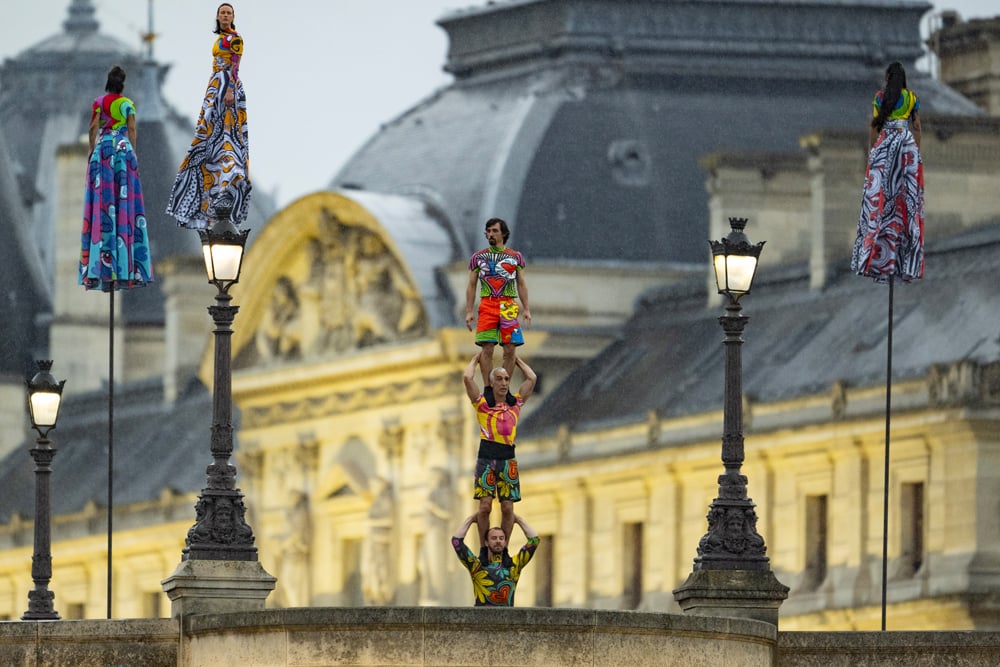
x: 153, y: 604
x: 353, y: 595
x: 543, y: 563
x: 75, y: 611
x: 816, y: 542
x: 632, y: 566
x: 911, y: 543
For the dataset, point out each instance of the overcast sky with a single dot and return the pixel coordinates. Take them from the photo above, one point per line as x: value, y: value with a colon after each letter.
x: 320, y: 75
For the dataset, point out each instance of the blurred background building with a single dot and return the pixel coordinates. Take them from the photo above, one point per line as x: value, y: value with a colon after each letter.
x: 616, y: 138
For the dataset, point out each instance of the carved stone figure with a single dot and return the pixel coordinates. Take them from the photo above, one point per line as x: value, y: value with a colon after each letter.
x: 377, y: 580
x: 355, y: 294
x: 296, y: 546
x: 435, y: 549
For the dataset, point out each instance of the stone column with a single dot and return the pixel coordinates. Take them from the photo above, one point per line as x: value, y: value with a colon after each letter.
x: 837, y: 167
x: 183, y: 281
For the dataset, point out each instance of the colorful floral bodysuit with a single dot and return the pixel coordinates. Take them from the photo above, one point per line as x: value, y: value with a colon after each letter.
x: 495, y: 583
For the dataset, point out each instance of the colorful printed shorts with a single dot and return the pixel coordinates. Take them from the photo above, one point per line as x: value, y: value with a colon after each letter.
x: 497, y: 477
x: 498, y: 323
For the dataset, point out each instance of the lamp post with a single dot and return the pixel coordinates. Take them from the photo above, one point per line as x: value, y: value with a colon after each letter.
x: 732, y: 541
x: 44, y: 398
x: 732, y: 575
x: 221, y: 531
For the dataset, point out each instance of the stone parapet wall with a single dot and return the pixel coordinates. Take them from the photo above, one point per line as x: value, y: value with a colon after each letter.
x: 888, y: 649
x: 128, y: 643
x: 370, y: 636
x: 468, y: 636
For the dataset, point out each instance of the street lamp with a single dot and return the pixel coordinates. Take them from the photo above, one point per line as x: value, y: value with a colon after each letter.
x: 732, y: 575
x: 44, y: 398
x: 221, y: 531
x: 732, y: 541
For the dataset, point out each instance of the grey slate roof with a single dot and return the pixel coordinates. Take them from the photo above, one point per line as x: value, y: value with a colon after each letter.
x: 581, y: 123
x: 798, y: 341
x: 45, y: 97
x: 157, y: 447
x: 26, y: 296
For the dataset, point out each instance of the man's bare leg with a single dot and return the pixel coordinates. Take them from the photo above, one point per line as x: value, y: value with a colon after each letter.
x: 486, y: 361
x: 509, y: 359
x: 506, y: 517
x: 483, y: 519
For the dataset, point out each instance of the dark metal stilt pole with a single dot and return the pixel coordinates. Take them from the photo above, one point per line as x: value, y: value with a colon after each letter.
x: 885, y: 480
x: 111, y: 432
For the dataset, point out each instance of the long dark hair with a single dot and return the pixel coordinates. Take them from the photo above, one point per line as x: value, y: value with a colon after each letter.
x: 895, y: 82
x: 116, y: 81
x: 218, y: 28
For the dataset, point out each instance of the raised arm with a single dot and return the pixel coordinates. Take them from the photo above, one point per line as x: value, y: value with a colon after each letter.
x: 468, y: 378
x: 528, y: 386
x: 461, y: 531
x: 529, y: 532
x: 522, y: 294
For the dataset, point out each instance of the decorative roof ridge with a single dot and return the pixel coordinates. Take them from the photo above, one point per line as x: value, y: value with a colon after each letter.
x: 685, y: 37
x: 81, y: 17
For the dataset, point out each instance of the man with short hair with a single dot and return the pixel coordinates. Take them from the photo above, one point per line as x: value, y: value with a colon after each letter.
x: 498, y: 412
x: 499, y: 272
x: 494, y: 573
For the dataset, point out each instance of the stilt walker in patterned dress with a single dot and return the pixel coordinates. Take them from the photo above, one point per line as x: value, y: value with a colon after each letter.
x: 890, y: 239
x: 114, y: 252
x: 214, y: 178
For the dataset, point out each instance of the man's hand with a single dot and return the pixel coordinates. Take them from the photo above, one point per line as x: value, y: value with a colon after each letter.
x: 528, y: 531
x: 464, y: 528
x: 526, y: 314
x: 469, y: 317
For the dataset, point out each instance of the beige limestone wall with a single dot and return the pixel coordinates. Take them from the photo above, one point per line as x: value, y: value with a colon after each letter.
x: 145, y: 642
x: 457, y: 637
x: 370, y: 637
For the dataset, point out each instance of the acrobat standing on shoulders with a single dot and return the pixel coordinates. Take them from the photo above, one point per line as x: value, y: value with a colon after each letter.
x: 498, y: 271
x: 496, y: 467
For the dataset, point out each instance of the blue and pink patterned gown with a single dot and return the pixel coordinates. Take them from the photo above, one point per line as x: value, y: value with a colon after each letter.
x: 215, y: 173
x: 890, y: 239
x: 114, y: 251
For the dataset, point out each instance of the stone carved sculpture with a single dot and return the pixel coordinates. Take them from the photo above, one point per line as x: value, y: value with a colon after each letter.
x: 356, y: 294
x: 376, y: 578
x: 295, y: 551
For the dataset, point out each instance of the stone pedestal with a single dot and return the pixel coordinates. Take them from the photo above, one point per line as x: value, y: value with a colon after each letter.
x: 217, y: 586
x: 755, y: 594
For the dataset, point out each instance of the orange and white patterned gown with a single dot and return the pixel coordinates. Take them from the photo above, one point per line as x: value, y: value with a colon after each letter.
x: 215, y: 175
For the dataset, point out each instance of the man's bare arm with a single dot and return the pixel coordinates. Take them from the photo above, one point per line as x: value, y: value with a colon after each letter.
x: 522, y: 294
x: 468, y: 378
x: 464, y: 528
x: 530, y: 378
x: 470, y: 299
x: 529, y: 532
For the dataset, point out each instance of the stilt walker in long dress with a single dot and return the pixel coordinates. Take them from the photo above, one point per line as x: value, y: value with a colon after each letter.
x: 114, y: 251
x: 215, y: 174
x: 890, y: 241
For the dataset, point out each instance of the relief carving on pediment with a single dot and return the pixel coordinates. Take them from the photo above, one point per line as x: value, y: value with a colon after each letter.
x: 349, y: 292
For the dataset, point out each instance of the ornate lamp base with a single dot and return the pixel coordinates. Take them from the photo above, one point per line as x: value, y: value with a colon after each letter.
x: 752, y: 594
